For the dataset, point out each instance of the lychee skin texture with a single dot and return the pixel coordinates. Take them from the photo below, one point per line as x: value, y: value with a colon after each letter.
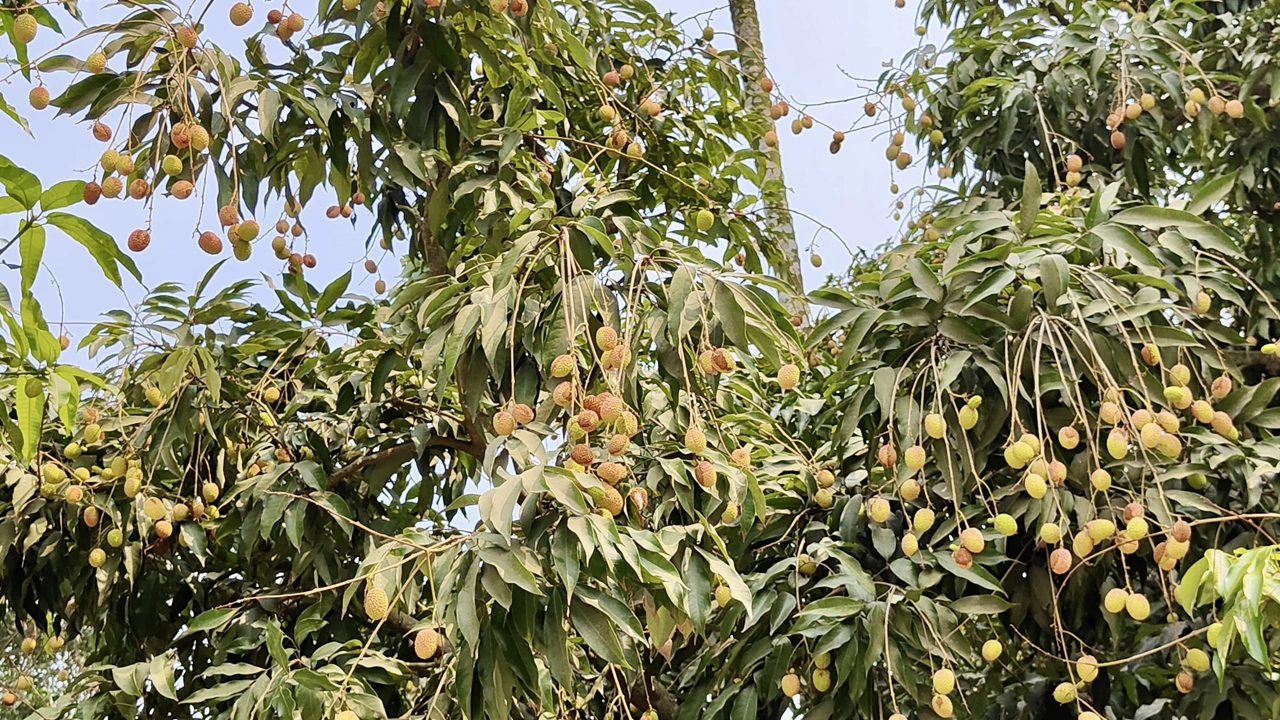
x: 923, y: 520
x: 376, y: 604
x: 198, y: 138
x: 182, y: 189
x: 171, y: 165
x: 915, y: 457
x: 1137, y: 606
x: 1060, y: 561
x: 139, y: 240
x: 503, y: 423
x: 97, y: 558
x: 791, y: 684
x: 788, y: 376
x: 878, y: 508
x: 96, y: 62
x: 139, y: 188
x: 39, y: 97
x: 187, y: 36
x: 942, y: 706
x: 24, y: 28
x: 274, y: 16
x: 991, y: 650
x: 695, y: 441
x: 944, y: 681
x: 426, y: 643
x: 909, y: 490
x: 241, y: 14
x: 562, y: 366
x: 92, y: 192
x: 210, y: 242
x: 101, y: 131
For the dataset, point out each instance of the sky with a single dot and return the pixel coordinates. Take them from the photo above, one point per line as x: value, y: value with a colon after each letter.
x: 818, y: 51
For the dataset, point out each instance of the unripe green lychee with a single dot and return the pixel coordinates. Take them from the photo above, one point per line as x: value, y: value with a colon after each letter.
x: 944, y: 681
x: 210, y: 491
x: 823, y: 498
x: 910, y: 545
x: 1118, y: 443
x: 740, y: 458
x: 171, y: 165
x: 909, y: 490
x: 606, y: 338
x: 791, y: 684
x: 942, y: 706
x: 935, y: 426
x: 1136, y: 528
x: 991, y: 650
x: 968, y: 418
x: 1087, y: 668
x: 878, y: 508
x: 723, y: 596
x: 1197, y: 660
x: 915, y: 457
x: 97, y: 557
x: 1213, y: 633
x: 1082, y: 544
x: 1137, y: 606
x: 1050, y: 533
x: 1064, y: 692
x: 788, y: 376
x: 153, y: 396
x: 730, y: 514
x: 96, y: 62
x: 1100, y: 529
x: 695, y: 441
x: 705, y: 219
x: 1005, y: 524
x: 376, y: 603
x: 1060, y: 561
x: 821, y: 680
x: 1035, y: 485
x: 24, y: 28
x: 923, y: 520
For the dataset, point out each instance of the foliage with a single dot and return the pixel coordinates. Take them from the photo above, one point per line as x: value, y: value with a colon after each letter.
x: 603, y: 468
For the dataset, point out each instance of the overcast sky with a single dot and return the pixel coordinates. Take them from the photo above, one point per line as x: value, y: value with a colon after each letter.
x: 814, y: 47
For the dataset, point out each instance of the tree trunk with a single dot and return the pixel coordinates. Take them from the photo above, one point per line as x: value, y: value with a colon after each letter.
x: 783, y: 255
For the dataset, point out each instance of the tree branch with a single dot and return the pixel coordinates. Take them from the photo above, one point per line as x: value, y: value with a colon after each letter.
x: 404, y: 453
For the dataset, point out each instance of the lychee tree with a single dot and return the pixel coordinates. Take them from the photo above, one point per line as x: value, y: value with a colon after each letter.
x: 570, y: 464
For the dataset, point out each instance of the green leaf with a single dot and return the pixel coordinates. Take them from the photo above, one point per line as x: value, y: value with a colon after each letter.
x: 98, y: 243
x: 63, y: 194
x: 30, y: 416
x: 162, y: 676
x: 1115, y: 237
x: 31, y: 250
x: 9, y: 110
x: 1055, y: 275
x: 981, y: 605
x: 595, y: 628
x: 332, y: 292
x: 20, y: 184
x: 221, y: 691
x: 1211, y: 193
x: 974, y: 574
x: 994, y: 283
x: 268, y: 113
x: 1030, y: 199
x: 209, y: 620
x: 925, y: 279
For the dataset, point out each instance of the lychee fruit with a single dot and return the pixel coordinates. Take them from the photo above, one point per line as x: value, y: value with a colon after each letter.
x: 39, y: 97
x: 139, y: 240
x: 241, y: 14
x: 101, y: 131
x: 24, y: 28
x: 376, y: 604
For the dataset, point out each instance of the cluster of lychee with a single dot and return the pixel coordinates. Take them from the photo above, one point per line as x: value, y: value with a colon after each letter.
x: 518, y: 8
x: 909, y: 490
x: 75, y: 486
x: 620, y: 141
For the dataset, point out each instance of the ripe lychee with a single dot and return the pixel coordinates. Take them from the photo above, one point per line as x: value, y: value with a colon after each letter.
x: 139, y: 240
x: 39, y: 97
x: 740, y: 458
x: 503, y: 423
x: 92, y: 191
x: 182, y: 189
x: 705, y: 473
x: 101, y: 131
x: 426, y: 643
x: 139, y: 188
x: 296, y: 22
x: 887, y: 456
x: 1060, y: 561
x: 210, y: 242
x: 187, y: 36
x: 695, y: 441
x: 1068, y: 437
x: 274, y: 16
x: 241, y: 14
x: 791, y: 684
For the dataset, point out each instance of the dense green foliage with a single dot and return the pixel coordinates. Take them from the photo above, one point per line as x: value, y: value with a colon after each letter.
x: 592, y: 459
